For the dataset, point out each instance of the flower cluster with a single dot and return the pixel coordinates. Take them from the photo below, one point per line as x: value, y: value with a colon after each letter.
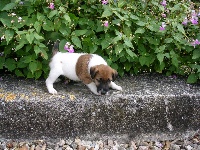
x: 164, y: 4
x: 69, y: 47
x: 193, y: 18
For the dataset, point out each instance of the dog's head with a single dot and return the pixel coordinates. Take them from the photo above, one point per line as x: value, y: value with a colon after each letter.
x: 102, y: 76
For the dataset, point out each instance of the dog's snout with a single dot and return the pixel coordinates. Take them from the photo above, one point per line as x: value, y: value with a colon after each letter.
x: 103, y: 92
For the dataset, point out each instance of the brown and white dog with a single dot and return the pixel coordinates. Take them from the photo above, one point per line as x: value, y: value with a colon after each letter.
x: 91, y: 69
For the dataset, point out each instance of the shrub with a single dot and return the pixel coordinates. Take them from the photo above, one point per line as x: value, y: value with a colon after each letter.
x: 133, y: 36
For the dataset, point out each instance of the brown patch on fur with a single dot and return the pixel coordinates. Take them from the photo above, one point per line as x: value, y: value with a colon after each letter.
x: 82, y: 68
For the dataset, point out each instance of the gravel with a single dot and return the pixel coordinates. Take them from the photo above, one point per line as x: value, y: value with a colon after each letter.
x: 181, y: 143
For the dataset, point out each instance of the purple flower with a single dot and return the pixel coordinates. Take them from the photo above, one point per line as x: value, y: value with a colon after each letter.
x: 105, y: 23
x: 51, y: 5
x: 1, y: 79
x: 194, y: 20
x: 195, y: 43
x: 164, y: 3
x: 194, y: 14
x: 162, y: 27
x: 185, y: 21
x: 104, y: 2
x: 69, y: 48
x: 163, y: 15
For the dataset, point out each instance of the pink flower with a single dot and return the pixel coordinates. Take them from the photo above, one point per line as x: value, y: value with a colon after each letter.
x: 105, y: 23
x: 69, y: 48
x: 194, y: 20
x: 185, y: 21
x: 51, y: 5
x: 164, y: 3
x: 162, y: 27
x: 104, y: 2
x: 163, y: 15
x: 195, y: 43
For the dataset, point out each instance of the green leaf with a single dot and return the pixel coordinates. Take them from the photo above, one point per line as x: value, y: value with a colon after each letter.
x: 67, y: 18
x: 118, y: 48
x: 175, y: 61
x: 160, y: 57
x: 141, y: 23
x: 107, y: 13
x: 20, y: 45
x: 48, y: 26
x: 9, y: 35
x: 40, y: 17
x: 140, y: 30
x: 19, y: 73
x: 192, y: 78
x: 116, y: 39
x: 105, y: 43
x: 30, y: 37
x: 10, y: 64
x: 127, y: 31
x: 44, y: 53
x: 128, y: 43
x: 52, y: 13
x: 196, y: 54
x: 134, y: 17
x: 168, y: 40
x: 142, y: 60
x: 37, y: 26
x: 180, y: 28
x: 93, y: 49
x: 160, y: 49
x: 79, y: 32
x: 37, y: 50
x: 38, y: 74
x: 131, y: 53
x: 76, y: 41
x: 127, y: 66
x: 33, y: 66
x: 2, y: 60
x: 38, y: 37
x: 121, y: 3
x: 9, y: 6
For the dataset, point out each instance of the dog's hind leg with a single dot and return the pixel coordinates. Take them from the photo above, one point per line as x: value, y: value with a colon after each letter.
x: 53, y: 75
x: 114, y: 86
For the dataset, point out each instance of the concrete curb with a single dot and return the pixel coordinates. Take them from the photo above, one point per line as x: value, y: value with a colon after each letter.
x: 148, y: 104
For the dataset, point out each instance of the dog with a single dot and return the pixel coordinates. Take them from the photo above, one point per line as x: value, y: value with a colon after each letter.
x: 91, y: 69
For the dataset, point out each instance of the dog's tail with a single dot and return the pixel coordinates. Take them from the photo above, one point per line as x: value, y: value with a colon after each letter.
x: 55, y: 48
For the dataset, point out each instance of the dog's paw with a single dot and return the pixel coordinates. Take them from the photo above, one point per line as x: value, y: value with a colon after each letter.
x: 119, y: 88
x: 53, y: 91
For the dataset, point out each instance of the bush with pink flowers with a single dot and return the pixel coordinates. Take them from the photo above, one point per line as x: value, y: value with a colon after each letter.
x: 133, y: 36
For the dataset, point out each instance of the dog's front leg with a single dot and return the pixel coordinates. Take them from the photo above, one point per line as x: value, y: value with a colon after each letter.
x: 53, y: 75
x: 115, y: 86
x: 93, y: 88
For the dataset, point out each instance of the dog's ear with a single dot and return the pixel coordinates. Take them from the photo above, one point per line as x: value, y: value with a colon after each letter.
x: 114, y: 75
x: 93, y: 72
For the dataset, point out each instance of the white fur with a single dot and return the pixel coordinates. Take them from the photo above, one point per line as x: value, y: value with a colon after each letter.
x: 65, y: 64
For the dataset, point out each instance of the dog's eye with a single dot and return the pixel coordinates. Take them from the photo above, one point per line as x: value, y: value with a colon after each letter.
x: 99, y: 80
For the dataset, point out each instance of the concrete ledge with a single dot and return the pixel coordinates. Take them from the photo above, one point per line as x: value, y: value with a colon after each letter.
x: 148, y: 104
